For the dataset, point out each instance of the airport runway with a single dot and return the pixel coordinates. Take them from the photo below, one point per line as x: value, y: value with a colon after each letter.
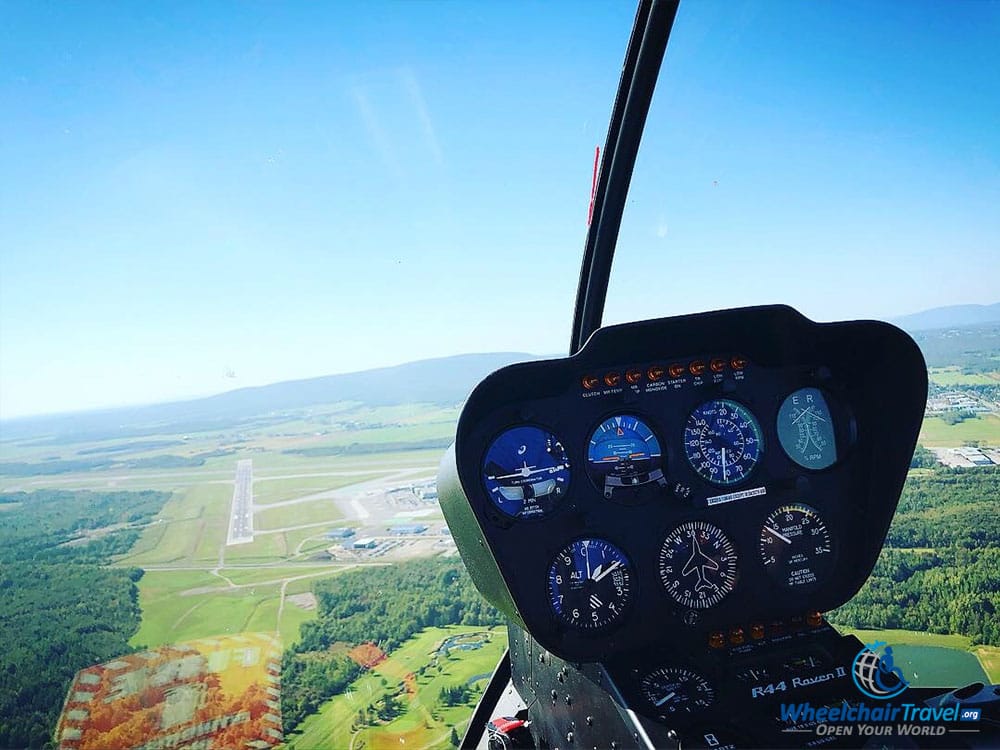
x: 241, y: 515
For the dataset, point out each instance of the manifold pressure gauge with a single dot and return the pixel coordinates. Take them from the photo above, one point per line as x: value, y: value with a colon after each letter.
x: 795, y: 547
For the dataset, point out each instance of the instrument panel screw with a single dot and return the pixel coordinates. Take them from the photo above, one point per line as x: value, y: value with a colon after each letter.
x: 569, y: 736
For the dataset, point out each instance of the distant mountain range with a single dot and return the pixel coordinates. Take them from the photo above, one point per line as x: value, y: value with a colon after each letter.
x: 446, y: 380
x: 953, y: 316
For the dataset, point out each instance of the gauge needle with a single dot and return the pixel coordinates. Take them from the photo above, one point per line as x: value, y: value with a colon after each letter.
x: 780, y: 536
x: 524, y: 471
x: 664, y: 699
x: 725, y: 473
x: 603, y: 573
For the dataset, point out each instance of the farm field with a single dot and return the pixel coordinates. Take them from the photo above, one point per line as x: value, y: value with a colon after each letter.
x: 423, y: 670
x: 936, y: 433
x: 946, y: 376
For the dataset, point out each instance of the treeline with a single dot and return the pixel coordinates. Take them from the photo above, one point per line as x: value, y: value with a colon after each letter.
x: 354, y: 449
x: 382, y: 605
x: 60, y: 609
x: 940, y: 568
x: 65, y: 466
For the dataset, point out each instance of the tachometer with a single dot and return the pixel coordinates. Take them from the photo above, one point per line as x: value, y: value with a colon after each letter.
x: 723, y: 441
x: 526, y: 472
x: 672, y: 689
x: 698, y: 565
x: 590, y: 584
x: 805, y: 429
x: 795, y: 547
x: 624, y: 453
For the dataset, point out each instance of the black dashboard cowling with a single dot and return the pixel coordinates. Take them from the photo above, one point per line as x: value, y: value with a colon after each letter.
x: 874, y: 383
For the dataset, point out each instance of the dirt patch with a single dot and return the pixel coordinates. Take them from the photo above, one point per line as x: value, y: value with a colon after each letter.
x: 367, y: 655
x: 306, y: 601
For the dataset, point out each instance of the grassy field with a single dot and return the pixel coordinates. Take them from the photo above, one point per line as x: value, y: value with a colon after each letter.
x: 268, y: 490
x: 936, y: 433
x: 945, y: 376
x: 315, y: 511
x: 425, y: 723
x: 935, y: 659
x: 171, y: 613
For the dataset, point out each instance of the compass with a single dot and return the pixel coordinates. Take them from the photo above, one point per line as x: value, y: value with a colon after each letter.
x: 698, y: 565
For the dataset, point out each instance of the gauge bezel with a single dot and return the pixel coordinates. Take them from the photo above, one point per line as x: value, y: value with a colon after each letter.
x: 627, y: 608
x: 496, y: 513
x: 629, y: 494
x: 643, y: 689
x: 844, y: 427
x: 737, y: 567
x: 780, y: 582
x: 759, y: 434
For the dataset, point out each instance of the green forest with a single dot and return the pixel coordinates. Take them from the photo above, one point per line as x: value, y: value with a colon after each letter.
x: 60, y: 610
x: 940, y: 568
x: 380, y: 605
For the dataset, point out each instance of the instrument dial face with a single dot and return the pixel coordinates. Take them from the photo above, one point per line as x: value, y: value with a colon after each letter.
x: 795, y: 547
x: 590, y: 584
x: 672, y: 690
x: 805, y: 429
x: 698, y: 565
x: 624, y: 453
x: 723, y: 441
x: 526, y: 472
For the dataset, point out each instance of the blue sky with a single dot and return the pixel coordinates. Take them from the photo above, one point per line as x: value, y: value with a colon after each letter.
x: 277, y: 191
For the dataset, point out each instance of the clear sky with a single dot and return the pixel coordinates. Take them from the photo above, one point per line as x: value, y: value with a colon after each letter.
x: 200, y: 196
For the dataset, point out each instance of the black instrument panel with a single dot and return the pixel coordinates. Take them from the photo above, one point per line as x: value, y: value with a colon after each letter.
x: 689, y: 476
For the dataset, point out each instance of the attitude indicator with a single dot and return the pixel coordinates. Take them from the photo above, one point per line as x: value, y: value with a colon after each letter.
x: 526, y: 472
x: 723, y: 441
x: 805, y: 429
x: 698, y: 565
x: 795, y: 547
x: 623, y: 453
x: 590, y: 584
x: 675, y: 690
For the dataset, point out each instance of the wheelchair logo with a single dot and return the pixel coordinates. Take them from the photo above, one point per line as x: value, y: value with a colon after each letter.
x: 874, y: 673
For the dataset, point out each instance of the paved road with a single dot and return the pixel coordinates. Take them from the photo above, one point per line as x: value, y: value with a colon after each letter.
x: 241, y: 516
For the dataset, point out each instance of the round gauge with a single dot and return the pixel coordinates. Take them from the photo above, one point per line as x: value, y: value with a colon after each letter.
x: 723, y: 441
x: 672, y: 689
x: 590, y: 584
x: 795, y: 546
x: 526, y: 472
x: 805, y: 429
x: 623, y: 453
x: 698, y: 565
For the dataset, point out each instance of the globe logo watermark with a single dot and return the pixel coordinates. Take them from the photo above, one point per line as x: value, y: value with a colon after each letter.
x: 874, y: 673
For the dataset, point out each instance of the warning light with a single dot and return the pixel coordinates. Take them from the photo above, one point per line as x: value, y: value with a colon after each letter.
x: 738, y: 362
x: 718, y: 365
x: 756, y: 631
x: 612, y: 379
x: 736, y: 636
x: 814, y: 619
x: 655, y: 372
x: 676, y: 370
x: 697, y: 367
x: 590, y: 382
x: 716, y: 640
x: 633, y: 376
